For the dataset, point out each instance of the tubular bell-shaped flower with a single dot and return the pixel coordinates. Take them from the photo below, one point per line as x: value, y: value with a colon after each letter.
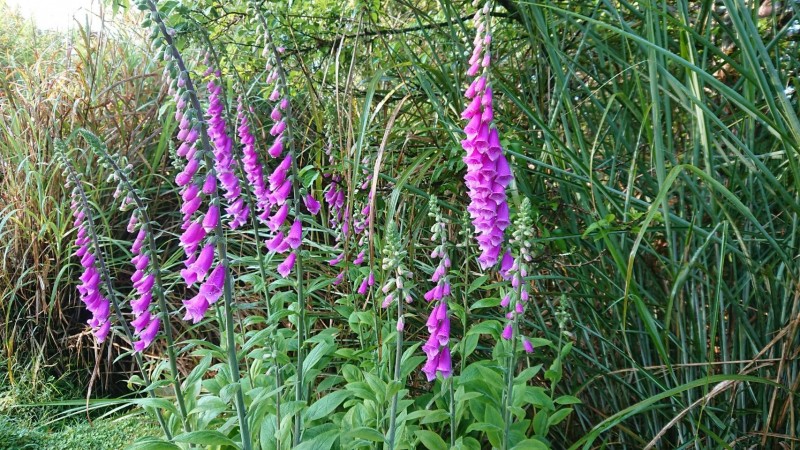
x: 145, y: 324
x: 252, y: 166
x: 89, y: 290
x: 283, y: 190
x: 224, y: 163
x: 195, y: 186
x: 437, y: 348
x: 516, y: 269
x: 488, y: 172
x: 398, y: 277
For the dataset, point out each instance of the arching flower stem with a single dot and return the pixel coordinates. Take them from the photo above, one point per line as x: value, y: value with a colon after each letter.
x: 162, y: 301
x: 72, y: 174
x: 296, y: 198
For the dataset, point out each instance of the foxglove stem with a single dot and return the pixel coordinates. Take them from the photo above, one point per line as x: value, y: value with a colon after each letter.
x: 299, y: 388
x: 107, y: 279
x: 254, y: 218
x: 509, y: 390
x: 244, y: 429
x: 162, y: 301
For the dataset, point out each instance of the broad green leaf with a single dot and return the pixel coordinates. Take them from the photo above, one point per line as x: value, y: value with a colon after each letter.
x: 431, y: 440
x: 326, y: 405
x: 205, y: 437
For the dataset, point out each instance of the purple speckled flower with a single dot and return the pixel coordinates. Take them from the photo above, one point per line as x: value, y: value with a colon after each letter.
x: 210, y: 292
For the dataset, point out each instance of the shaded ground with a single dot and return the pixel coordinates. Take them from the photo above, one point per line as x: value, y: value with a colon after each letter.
x: 110, y: 434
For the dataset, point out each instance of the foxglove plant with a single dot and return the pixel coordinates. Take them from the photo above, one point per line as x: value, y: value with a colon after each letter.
x: 219, y: 282
x: 88, y: 241
x: 396, y: 288
x: 516, y: 269
x: 286, y: 180
x: 488, y: 172
x: 437, y: 348
x: 283, y: 180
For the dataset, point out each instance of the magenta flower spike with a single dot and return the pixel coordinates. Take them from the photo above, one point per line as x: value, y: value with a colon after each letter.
x: 252, y: 166
x: 437, y: 347
x: 488, y: 173
x: 89, y: 289
x: 224, y: 164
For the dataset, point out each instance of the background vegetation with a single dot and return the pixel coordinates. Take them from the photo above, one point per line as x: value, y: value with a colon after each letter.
x: 656, y: 141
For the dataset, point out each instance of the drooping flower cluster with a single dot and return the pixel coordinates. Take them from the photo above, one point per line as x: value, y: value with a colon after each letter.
x: 281, y: 180
x: 252, y: 166
x: 89, y: 290
x: 488, y: 172
x: 398, y: 277
x: 516, y: 269
x: 354, y: 226
x: 197, y: 225
x: 224, y: 164
x: 145, y: 323
x: 334, y: 192
x: 437, y: 348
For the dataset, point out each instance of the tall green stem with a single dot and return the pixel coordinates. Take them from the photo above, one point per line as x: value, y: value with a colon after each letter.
x: 512, y: 362
x: 398, y: 359
x: 452, y: 413
x: 233, y: 361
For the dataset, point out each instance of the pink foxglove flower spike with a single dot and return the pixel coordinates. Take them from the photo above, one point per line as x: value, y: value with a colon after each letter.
x: 488, y: 172
x: 437, y: 348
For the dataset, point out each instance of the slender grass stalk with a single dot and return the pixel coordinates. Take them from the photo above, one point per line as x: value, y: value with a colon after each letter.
x: 99, y: 148
x: 73, y: 175
x: 233, y: 361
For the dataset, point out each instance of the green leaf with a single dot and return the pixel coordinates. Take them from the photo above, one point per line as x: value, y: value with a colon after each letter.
x: 369, y: 434
x: 531, y: 444
x: 540, y: 425
x: 315, y: 355
x: 490, y: 302
x: 439, y: 415
x: 205, y: 437
x: 558, y: 416
x: 431, y: 440
x: 152, y: 444
x: 324, y: 441
x: 478, y: 282
x: 326, y: 405
x: 568, y: 400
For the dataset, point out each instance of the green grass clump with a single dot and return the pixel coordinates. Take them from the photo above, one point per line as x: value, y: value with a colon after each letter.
x: 103, y: 434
